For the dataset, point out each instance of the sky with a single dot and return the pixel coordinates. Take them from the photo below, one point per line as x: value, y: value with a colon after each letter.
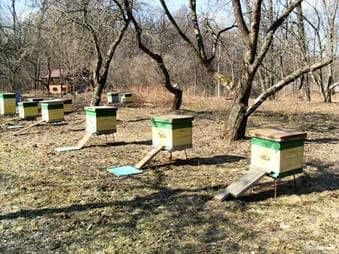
x: 218, y: 12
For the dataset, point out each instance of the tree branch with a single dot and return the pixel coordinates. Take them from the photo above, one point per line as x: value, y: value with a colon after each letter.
x: 282, y: 83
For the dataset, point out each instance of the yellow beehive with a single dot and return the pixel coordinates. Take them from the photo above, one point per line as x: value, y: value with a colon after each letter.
x: 174, y: 132
x: 279, y: 151
x: 7, y: 104
x: 101, y: 119
x: 126, y: 98
x: 68, y: 106
x: 39, y: 100
x: 28, y: 109
x: 52, y: 111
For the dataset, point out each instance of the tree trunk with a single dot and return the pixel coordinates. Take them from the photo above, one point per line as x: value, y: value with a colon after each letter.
x: 236, y: 122
x: 96, y: 97
x: 177, y: 99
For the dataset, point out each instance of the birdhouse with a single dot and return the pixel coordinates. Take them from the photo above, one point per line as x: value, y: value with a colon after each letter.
x: 126, y: 97
x: 28, y: 109
x: 68, y: 106
x: 52, y: 111
x: 7, y: 104
x: 113, y: 97
x: 174, y: 132
x: 279, y: 151
x: 101, y: 119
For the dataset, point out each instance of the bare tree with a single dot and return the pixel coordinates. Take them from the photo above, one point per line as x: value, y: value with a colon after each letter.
x: 236, y: 123
x: 157, y: 58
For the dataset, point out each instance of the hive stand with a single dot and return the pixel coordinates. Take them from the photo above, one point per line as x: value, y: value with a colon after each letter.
x: 275, y: 152
x: 170, y: 133
x: 99, y: 120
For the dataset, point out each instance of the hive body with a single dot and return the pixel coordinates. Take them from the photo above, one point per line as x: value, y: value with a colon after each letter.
x: 7, y: 104
x: 52, y: 111
x: 126, y: 97
x: 279, y: 151
x: 113, y: 97
x: 101, y: 119
x: 174, y: 132
x: 28, y: 109
x: 68, y: 106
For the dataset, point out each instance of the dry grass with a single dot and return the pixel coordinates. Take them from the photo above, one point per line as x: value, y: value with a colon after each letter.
x: 56, y: 203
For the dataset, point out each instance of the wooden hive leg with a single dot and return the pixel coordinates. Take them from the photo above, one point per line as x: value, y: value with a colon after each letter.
x: 275, y: 188
x: 294, y: 183
x: 170, y: 158
x: 185, y: 154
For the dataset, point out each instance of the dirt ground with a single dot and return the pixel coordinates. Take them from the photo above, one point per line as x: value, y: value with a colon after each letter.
x: 67, y: 202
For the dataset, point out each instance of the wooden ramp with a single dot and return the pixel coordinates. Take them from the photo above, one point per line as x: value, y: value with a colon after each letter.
x: 136, y: 169
x: 19, y: 132
x: 243, y: 183
x: 78, y: 146
x: 148, y: 157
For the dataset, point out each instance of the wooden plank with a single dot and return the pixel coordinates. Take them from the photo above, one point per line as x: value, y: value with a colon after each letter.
x: 148, y: 156
x: 78, y: 146
x: 243, y: 183
x: 28, y: 127
x: 278, y: 134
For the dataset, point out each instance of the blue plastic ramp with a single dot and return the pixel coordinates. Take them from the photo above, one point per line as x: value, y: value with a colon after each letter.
x: 124, y: 170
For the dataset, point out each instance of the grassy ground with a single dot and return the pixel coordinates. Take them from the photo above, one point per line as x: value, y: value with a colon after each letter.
x: 56, y: 203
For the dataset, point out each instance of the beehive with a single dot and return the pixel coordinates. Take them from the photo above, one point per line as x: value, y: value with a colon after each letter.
x: 68, y: 106
x: 7, y: 103
x: 279, y: 151
x: 52, y: 111
x: 113, y: 97
x: 101, y: 119
x: 174, y: 132
x: 39, y: 100
x: 126, y: 97
x: 28, y: 109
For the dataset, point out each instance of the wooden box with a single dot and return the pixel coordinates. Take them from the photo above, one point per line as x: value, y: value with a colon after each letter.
x: 126, y: 97
x: 7, y: 104
x: 101, y: 119
x: 113, y: 97
x: 172, y: 131
x: 39, y: 100
x: 279, y: 151
x: 52, y: 111
x: 68, y: 106
x: 28, y: 109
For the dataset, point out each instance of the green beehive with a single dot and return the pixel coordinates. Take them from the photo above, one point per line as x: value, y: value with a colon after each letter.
x: 279, y: 151
x: 68, y: 105
x: 39, y: 100
x: 126, y: 97
x: 101, y: 119
x: 7, y: 104
x: 174, y: 132
x: 28, y: 109
x: 113, y: 97
x: 52, y: 111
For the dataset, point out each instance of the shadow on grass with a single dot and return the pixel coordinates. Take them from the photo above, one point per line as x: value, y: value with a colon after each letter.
x: 122, y: 143
x: 196, y: 161
x: 315, y: 122
x: 325, y: 178
x: 147, y: 202
x: 322, y: 141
